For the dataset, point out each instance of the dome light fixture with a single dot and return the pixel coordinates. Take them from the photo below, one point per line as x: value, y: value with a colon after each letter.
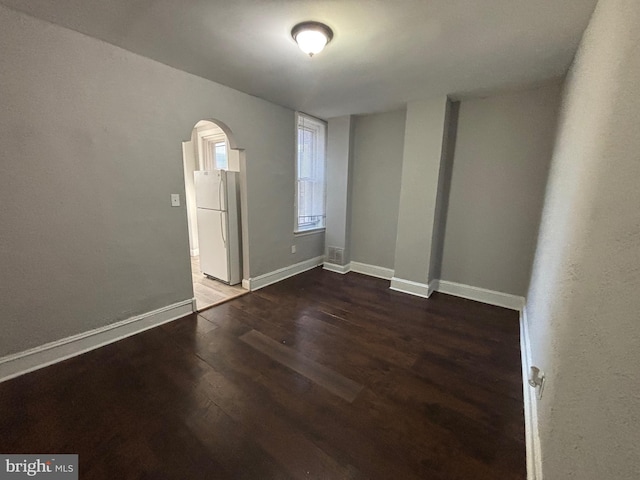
x: 311, y: 37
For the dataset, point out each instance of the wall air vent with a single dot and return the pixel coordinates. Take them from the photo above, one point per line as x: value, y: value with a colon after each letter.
x: 335, y: 255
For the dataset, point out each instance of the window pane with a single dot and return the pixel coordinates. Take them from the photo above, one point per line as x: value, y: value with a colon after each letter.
x: 222, y: 163
x: 306, y: 150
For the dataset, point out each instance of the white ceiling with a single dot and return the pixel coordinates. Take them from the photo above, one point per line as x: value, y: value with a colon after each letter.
x: 384, y: 52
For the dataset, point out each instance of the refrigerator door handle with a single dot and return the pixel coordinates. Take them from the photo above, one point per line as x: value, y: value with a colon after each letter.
x: 224, y: 240
x: 220, y: 194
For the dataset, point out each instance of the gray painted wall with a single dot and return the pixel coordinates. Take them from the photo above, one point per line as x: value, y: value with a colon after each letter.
x: 584, y: 303
x: 377, y: 168
x: 500, y: 167
x: 91, y: 150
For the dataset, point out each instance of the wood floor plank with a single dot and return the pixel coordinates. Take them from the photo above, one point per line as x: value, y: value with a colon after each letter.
x: 318, y: 376
x: 341, y: 386
x: 310, y: 406
x: 292, y: 448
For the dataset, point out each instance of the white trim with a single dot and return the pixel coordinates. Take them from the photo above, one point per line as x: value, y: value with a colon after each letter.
x: 246, y: 284
x: 483, y: 295
x: 277, y: 275
x: 35, y: 358
x: 194, y: 305
x: 314, y: 231
x: 412, y: 288
x: 195, y: 252
x: 532, y: 436
x: 372, y: 270
x: 324, y: 126
x: 334, y: 267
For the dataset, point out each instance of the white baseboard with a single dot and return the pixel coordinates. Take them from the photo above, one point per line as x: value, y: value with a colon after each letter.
x: 532, y: 437
x: 483, y: 295
x: 35, y: 358
x: 334, y: 267
x: 246, y: 284
x: 412, y: 288
x: 266, y: 279
x: 195, y: 252
x: 372, y: 270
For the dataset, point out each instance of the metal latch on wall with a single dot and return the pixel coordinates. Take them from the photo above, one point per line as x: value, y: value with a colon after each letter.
x: 536, y: 380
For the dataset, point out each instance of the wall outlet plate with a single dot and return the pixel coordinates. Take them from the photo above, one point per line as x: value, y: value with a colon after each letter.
x: 175, y: 199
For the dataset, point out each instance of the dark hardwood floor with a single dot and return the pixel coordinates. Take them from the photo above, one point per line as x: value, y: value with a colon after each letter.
x: 320, y: 376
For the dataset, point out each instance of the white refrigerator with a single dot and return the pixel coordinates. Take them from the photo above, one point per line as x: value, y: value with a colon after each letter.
x: 217, y: 210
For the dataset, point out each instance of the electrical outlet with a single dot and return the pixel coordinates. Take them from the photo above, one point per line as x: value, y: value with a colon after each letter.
x: 175, y: 199
x: 293, y: 249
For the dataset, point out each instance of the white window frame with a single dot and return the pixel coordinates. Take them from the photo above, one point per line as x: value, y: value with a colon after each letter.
x: 298, y: 229
x: 207, y: 144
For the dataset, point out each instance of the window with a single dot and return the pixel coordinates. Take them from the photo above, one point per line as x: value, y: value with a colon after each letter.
x: 310, y: 173
x: 215, y: 154
x: 222, y: 163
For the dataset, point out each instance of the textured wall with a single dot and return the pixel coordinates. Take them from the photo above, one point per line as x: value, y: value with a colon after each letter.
x: 584, y: 298
x: 91, y: 150
x: 377, y: 167
x: 502, y: 155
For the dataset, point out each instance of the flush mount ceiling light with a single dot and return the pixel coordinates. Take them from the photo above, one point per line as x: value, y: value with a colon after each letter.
x: 311, y: 37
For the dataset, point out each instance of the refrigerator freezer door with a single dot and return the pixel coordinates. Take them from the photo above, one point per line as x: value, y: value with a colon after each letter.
x: 210, y: 189
x: 213, y: 241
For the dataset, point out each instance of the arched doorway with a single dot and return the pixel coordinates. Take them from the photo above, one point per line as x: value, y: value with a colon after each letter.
x: 214, y: 183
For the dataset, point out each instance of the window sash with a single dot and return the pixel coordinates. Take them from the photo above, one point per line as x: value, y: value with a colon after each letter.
x: 211, y: 156
x: 310, y: 173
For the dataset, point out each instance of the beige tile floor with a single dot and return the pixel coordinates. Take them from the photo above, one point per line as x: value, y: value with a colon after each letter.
x: 211, y: 292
